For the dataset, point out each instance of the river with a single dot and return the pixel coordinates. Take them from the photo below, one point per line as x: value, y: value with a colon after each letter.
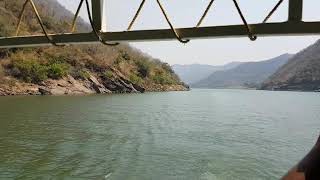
x: 200, y: 134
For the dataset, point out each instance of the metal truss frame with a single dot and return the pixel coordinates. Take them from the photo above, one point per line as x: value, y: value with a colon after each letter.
x: 294, y: 26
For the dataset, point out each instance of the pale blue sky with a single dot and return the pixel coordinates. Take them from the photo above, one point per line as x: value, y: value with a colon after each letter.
x: 186, y: 13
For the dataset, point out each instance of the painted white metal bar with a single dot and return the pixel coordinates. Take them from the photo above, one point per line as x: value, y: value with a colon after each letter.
x: 267, y: 29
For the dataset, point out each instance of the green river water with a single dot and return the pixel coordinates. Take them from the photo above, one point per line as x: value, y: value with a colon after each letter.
x: 201, y: 134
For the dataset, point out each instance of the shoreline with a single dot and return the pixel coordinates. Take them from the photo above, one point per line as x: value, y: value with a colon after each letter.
x: 257, y: 89
x: 68, y: 86
x: 93, y: 94
x: 82, y: 94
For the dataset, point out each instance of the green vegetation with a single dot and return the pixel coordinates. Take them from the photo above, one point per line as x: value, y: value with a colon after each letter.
x: 108, y: 74
x: 82, y: 74
x: 162, y: 77
x: 31, y: 69
x: 57, y: 70
x: 144, y: 68
x: 135, y: 79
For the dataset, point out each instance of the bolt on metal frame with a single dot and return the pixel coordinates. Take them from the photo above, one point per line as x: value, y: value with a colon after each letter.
x: 293, y: 27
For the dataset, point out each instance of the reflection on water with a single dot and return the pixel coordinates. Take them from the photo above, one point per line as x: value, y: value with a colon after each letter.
x: 202, y: 134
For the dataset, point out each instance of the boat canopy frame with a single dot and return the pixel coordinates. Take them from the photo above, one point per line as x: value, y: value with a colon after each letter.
x: 294, y: 26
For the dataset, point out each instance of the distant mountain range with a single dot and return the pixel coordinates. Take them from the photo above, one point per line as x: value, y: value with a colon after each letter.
x: 195, y: 72
x: 245, y: 75
x: 301, y: 73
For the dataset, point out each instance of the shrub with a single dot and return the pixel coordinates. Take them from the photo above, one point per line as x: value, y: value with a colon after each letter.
x: 80, y: 74
x: 163, y: 78
x: 29, y: 70
x: 143, y: 68
x: 108, y: 74
x: 84, y: 74
x: 158, y: 79
x: 58, y: 70
x: 135, y: 79
x: 27, y: 67
x: 167, y: 68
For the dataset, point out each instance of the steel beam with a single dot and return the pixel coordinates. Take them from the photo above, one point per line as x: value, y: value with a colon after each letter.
x: 97, y: 14
x: 295, y: 10
x: 233, y: 31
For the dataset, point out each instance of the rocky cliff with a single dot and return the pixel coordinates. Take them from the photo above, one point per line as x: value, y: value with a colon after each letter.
x: 68, y: 85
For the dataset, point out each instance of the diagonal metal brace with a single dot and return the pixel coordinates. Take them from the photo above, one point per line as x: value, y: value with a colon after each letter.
x: 205, y: 13
x: 34, y: 8
x: 272, y: 11
x: 176, y: 34
x: 250, y: 34
x: 96, y: 32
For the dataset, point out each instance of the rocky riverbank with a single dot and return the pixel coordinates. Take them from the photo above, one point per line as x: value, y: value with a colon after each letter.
x: 71, y: 86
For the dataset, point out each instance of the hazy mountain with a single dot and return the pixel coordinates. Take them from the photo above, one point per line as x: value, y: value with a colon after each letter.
x: 248, y: 74
x: 195, y: 72
x: 302, y: 72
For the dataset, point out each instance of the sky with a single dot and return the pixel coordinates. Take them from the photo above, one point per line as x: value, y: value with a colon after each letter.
x: 186, y: 13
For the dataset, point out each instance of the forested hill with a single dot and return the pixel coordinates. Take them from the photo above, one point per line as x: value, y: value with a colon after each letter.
x: 73, y: 69
x: 301, y: 73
